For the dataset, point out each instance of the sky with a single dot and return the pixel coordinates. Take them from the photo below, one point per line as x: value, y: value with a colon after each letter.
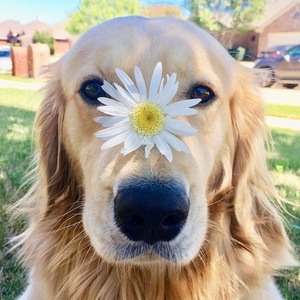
x: 49, y: 11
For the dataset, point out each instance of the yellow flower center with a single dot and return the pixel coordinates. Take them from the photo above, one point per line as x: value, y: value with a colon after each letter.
x: 147, y: 119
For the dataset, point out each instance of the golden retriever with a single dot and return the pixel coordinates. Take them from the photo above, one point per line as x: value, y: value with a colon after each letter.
x: 229, y: 240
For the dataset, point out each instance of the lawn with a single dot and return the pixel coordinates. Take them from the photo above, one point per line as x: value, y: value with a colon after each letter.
x: 285, y: 111
x: 20, y: 79
x: 17, y: 114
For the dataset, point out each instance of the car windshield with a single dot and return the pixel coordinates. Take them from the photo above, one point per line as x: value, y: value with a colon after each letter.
x: 295, y: 51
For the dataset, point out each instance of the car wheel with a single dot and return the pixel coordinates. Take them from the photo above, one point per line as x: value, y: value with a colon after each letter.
x: 289, y: 85
x: 266, y: 77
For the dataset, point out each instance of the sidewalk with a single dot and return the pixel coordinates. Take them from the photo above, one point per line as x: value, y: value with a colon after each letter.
x: 20, y: 85
x: 281, y: 96
x: 283, y: 123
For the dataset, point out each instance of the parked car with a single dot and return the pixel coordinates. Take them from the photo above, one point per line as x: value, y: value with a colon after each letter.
x: 282, y: 66
x: 5, y: 59
x: 276, y: 51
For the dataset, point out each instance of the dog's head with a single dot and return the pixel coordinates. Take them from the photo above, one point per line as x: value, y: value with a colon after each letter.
x: 142, y: 210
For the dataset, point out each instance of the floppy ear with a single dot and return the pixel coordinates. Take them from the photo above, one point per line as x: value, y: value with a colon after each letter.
x: 242, y: 195
x: 54, y: 166
x: 255, y: 221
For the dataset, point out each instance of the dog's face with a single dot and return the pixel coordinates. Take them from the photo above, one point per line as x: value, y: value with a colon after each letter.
x: 135, y: 209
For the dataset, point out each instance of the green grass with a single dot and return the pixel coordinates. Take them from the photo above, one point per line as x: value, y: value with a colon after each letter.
x: 20, y: 99
x: 284, y: 111
x: 284, y: 164
x: 17, y: 109
x: 15, y: 150
x: 20, y: 79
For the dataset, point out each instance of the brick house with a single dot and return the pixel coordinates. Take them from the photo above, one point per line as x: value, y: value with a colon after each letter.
x: 280, y: 25
x: 24, y: 34
x: 9, y: 25
x: 62, y: 39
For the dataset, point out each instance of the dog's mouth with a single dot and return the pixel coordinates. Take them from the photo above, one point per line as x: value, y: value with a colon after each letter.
x: 146, y: 253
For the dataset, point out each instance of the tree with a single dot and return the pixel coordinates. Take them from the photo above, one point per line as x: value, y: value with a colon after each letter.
x: 162, y: 10
x: 92, y: 12
x: 227, y: 16
x: 44, y: 37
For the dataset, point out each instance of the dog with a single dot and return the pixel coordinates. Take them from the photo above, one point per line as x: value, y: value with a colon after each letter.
x: 203, y: 226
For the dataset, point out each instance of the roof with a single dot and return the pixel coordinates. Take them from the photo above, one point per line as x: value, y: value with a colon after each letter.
x: 6, y: 26
x: 34, y: 26
x: 57, y: 30
x: 274, y: 9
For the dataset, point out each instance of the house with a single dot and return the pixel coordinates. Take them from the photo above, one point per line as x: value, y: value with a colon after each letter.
x: 62, y: 39
x: 23, y: 34
x: 10, y: 27
x: 30, y: 29
x: 280, y: 25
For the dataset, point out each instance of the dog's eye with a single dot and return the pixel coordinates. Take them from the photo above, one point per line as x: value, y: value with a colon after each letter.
x: 202, y: 92
x: 91, y: 90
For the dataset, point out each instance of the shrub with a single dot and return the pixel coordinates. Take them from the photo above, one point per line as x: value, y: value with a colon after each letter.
x: 44, y: 37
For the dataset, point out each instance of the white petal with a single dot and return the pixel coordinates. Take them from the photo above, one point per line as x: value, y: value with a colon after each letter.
x: 114, y: 111
x: 182, y: 108
x: 111, y: 121
x: 174, y: 142
x: 155, y: 81
x: 182, y: 112
x: 120, y: 138
x: 166, y: 96
x: 169, y: 91
x: 140, y: 82
x: 110, y: 90
x: 132, y: 143
x: 110, y: 102
x: 128, y: 96
x: 179, y: 127
x: 112, y: 131
x: 148, y: 148
x: 161, y: 87
x: 128, y: 84
x: 163, y: 147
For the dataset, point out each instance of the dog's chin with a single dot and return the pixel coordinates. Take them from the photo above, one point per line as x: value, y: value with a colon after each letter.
x: 144, y: 254
x: 146, y: 258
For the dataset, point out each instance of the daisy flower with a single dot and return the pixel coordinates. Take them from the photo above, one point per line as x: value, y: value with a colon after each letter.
x: 137, y: 117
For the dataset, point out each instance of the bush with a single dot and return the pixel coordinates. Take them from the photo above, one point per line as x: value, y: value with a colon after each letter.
x: 238, y: 53
x: 44, y: 37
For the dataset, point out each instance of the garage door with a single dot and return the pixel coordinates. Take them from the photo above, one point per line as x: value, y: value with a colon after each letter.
x: 283, y: 38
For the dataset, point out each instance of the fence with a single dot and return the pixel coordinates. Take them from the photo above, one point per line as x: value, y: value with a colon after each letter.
x: 27, y: 61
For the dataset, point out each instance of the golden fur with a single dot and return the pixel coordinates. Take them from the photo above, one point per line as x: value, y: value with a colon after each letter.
x: 237, y: 240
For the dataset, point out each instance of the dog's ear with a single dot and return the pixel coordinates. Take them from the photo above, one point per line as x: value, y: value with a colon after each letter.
x: 255, y: 218
x: 53, y: 165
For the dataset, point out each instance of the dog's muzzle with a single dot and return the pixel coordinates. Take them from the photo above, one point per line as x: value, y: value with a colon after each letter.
x: 151, y: 211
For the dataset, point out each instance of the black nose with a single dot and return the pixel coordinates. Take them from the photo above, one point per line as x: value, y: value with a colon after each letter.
x: 151, y: 211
